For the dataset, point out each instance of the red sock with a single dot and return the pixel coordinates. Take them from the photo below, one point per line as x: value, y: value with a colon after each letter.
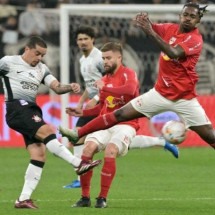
x: 85, y: 180
x: 99, y: 123
x: 107, y: 175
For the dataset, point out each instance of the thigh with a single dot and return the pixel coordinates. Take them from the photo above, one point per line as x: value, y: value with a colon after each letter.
x: 206, y: 132
x: 25, y: 118
x: 101, y: 138
x: 121, y: 136
x: 191, y: 112
x: 151, y: 103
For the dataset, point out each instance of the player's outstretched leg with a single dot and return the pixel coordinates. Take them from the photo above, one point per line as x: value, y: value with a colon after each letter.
x: 172, y: 148
x: 85, y: 166
x: 71, y: 134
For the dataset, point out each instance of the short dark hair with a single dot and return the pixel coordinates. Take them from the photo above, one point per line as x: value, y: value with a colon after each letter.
x: 36, y: 40
x: 201, y: 10
x: 85, y: 29
x: 112, y: 46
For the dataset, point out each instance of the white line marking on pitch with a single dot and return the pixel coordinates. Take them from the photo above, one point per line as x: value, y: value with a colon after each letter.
x: 146, y: 199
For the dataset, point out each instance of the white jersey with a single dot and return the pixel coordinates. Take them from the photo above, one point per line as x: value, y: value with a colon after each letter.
x: 20, y: 80
x: 92, y: 70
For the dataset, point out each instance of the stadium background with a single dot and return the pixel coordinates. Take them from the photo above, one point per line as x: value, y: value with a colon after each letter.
x: 139, y: 53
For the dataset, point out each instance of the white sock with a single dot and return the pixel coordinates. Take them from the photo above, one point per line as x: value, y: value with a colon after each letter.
x: 32, y: 178
x: 77, y: 150
x: 55, y: 147
x: 141, y: 141
x: 65, y: 142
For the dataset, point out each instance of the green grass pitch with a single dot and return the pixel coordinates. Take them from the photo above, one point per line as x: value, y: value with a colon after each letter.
x: 148, y: 181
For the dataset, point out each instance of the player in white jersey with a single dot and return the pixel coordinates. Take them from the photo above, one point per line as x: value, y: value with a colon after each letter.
x: 91, y: 68
x: 22, y: 76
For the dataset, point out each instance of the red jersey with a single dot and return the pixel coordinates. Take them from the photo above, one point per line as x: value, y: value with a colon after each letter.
x: 119, y: 89
x: 177, y: 78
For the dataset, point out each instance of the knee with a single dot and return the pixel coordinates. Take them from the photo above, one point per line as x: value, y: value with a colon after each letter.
x: 111, y: 151
x: 89, y: 149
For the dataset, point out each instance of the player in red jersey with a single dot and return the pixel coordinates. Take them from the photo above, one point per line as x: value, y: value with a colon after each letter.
x: 117, y: 87
x: 180, y: 45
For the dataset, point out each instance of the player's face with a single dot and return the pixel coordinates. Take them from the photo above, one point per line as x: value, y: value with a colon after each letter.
x: 112, y: 61
x: 85, y: 43
x: 189, y: 18
x: 34, y: 55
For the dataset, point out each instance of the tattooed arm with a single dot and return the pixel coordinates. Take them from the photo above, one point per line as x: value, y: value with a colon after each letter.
x: 59, y: 88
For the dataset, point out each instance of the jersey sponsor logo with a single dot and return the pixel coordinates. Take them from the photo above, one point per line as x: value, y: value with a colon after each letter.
x: 36, y: 118
x: 29, y: 86
x: 90, y: 83
x: 112, y: 102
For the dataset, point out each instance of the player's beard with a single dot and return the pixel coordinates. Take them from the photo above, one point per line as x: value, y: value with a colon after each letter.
x: 110, y: 69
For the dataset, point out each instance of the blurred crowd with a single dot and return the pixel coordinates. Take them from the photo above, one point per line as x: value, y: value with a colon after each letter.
x: 22, y: 18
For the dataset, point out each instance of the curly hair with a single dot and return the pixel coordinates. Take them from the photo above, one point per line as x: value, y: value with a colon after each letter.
x: 201, y: 10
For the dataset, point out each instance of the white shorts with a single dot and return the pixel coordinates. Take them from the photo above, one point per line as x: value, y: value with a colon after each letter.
x: 152, y: 103
x: 120, y: 135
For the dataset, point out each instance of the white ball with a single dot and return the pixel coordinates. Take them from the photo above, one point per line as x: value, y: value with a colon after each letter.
x: 174, y: 131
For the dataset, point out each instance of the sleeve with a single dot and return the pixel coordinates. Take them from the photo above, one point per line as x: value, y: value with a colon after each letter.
x: 100, y: 67
x: 95, y: 111
x: 128, y: 88
x: 192, y: 44
x: 3, y: 67
x: 48, y: 78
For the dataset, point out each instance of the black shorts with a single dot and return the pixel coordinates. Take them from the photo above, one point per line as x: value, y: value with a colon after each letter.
x: 84, y: 120
x: 25, y: 118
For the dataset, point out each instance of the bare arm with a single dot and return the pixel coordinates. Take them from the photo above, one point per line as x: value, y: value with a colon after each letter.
x: 142, y: 21
x: 59, y: 88
x: 92, y: 103
x: 82, y: 99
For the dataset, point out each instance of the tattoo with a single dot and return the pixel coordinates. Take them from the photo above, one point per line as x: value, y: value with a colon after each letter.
x: 63, y: 88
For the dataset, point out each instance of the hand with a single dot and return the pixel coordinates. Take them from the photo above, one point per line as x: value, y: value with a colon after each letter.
x: 74, y: 111
x: 99, y: 84
x: 75, y: 87
x: 142, y: 20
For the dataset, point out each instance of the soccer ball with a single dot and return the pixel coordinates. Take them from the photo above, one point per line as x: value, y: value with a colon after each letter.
x: 174, y: 131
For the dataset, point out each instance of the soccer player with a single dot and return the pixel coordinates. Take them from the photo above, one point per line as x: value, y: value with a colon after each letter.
x: 22, y: 76
x: 117, y: 87
x: 91, y: 68
x: 174, y: 90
